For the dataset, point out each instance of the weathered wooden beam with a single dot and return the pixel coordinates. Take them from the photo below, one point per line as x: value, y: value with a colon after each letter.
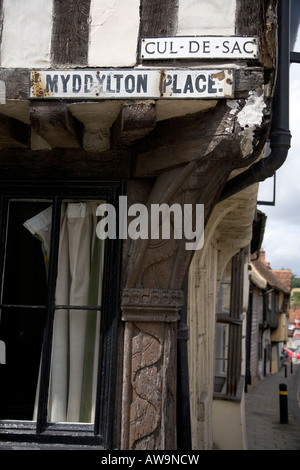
x: 63, y: 164
x: 13, y: 133
x: 159, y: 18
x: 70, y: 35
x: 134, y: 122
x: 259, y: 19
x: 55, y: 123
x: 251, y: 16
x: 179, y: 141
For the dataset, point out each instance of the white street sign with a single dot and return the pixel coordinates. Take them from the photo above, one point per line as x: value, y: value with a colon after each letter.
x: 132, y: 84
x: 199, y: 47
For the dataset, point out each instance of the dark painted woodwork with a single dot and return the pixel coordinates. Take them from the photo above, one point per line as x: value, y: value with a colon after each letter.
x: 178, y: 141
x: 62, y: 164
x: 134, y: 122
x: 159, y: 18
x: 235, y: 330
x: 250, y: 16
x: 252, y: 19
x: 13, y: 133
x: 70, y: 35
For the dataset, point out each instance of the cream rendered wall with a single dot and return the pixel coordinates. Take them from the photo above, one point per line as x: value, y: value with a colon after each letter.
x: 26, y: 34
x: 219, y: 423
x: 229, y: 425
x: 281, y: 333
x: 114, y: 32
x: 206, y: 17
x: 201, y: 317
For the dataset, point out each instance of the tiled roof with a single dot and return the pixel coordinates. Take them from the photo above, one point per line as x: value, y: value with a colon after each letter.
x: 280, y: 280
x: 294, y: 314
x: 285, y: 277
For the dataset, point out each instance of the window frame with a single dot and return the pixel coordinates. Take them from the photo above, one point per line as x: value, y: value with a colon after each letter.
x: 234, y: 320
x: 271, y: 308
x: 101, y: 432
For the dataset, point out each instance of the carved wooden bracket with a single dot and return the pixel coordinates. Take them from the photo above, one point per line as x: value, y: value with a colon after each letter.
x: 13, y: 133
x: 55, y: 123
x: 134, y: 122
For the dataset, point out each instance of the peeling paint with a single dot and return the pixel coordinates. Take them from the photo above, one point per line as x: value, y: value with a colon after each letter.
x: 249, y: 118
x: 234, y: 105
x: 221, y: 75
x: 251, y: 115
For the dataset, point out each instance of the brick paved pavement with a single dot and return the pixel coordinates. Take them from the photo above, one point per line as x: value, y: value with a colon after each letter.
x: 264, y: 430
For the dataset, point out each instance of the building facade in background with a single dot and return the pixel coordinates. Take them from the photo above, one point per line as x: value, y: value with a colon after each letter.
x: 268, y: 318
x: 129, y: 342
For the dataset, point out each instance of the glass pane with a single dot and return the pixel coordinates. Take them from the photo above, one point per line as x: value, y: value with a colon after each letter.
x: 222, y: 337
x: 24, y: 272
x: 225, y: 290
x: 76, y: 331
x: 21, y: 328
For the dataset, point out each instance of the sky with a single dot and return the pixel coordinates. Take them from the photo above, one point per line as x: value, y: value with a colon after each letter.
x: 282, y: 234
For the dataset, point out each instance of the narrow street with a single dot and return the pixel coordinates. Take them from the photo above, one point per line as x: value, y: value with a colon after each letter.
x: 264, y: 429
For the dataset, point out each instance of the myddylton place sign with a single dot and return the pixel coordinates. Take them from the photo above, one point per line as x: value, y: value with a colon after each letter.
x: 132, y: 84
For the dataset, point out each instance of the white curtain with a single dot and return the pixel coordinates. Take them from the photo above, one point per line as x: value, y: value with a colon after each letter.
x: 76, y: 332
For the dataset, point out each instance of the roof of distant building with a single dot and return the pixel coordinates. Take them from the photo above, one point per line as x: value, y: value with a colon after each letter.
x: 280, y: 280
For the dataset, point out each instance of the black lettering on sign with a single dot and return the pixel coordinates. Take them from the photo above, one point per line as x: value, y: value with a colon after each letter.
x: 88, y: 83
x: 76, y: 83
x: 200, y: 83
x: 51, y: 83
x: 65, y: 82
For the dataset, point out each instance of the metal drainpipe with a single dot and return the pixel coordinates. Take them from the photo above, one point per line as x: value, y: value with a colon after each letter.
x: 184, y: 438
x: 280, y: 137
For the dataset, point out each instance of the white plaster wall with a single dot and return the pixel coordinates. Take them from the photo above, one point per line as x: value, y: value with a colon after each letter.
x: 26, y: 36
x: 114, y: 33
x: 206, y: 17
x: 114, y: 29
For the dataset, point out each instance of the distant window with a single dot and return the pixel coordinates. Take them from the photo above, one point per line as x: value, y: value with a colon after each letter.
x: 229, y: 328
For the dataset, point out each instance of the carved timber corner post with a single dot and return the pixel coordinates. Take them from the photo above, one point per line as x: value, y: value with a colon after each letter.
x: 149, y: 388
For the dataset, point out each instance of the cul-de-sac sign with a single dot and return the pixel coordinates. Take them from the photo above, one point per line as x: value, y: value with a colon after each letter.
x: 199, y: 47
x: 132, y: 84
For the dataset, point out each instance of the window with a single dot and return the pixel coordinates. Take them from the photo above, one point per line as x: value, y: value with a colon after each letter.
x: 229, y: 329
x: 271, y: 308
x: 59, y: 313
